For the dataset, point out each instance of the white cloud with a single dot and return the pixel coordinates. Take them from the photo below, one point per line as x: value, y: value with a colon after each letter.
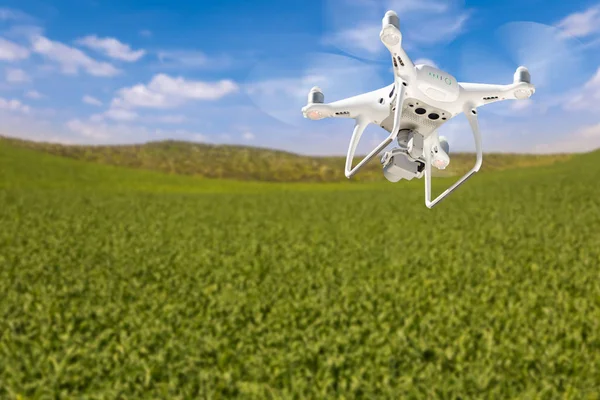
x: 582, y: 24
x: 178, y: 59
x: 140, y: 96
x: 165, y: 91
x: 111, y: 47
x: 87, y: 99
x: 24, y: 127
x: 521, y: 105
x: 425, y: 61
x: 16, y: 75
x: 24, y: 31
x: 118, y: 114
x: 450, y: 27
x: 187, y: 58
x: 97, y: 117
x: 92, y: 131
x: 10, y: 51
x: 585, y: 139
x: 8, y: 14
x: 115, y: 114
x: 171, y: 119
x: 586, y: 97
x: 179, y: 87
x: 14, y: 105
x: 248, y: 136
x: 145, y: 33
x: 71, y: 59
x: 198, y: 137
x: 364, y: 37
x: 104, y: 132
x: 34, y: 94
x: 183, y: 58
x: 101, y: 131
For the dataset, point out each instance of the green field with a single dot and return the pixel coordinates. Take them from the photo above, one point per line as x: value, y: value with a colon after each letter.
x: 119, y: 283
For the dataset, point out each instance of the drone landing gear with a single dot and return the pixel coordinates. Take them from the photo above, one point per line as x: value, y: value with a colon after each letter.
x: 416, y: 155
x: 471, y: 114
x: 362, y: 123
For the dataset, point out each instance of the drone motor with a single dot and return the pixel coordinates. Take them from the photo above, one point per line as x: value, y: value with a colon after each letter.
x: 316, y: 95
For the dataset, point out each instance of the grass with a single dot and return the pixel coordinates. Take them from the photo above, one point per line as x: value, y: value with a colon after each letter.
x: 250, y: 163
x: 119, y: 283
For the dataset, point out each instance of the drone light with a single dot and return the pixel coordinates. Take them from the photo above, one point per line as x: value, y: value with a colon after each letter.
x: 522, y: 94
x: 390, y: 36
x: 440, y: 164
x: 314, y: 115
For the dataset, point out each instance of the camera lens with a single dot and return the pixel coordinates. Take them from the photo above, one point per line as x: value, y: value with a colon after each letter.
x: 420, y: 111
x: 433, y: 116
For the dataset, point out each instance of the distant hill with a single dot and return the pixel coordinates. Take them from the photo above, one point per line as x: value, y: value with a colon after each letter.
x: 259, y: 164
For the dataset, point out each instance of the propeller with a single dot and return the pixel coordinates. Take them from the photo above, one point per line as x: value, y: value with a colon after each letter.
x: 353, y: 60
x: 554, y: 59
x: 279, y: 86
x: 353, y: 26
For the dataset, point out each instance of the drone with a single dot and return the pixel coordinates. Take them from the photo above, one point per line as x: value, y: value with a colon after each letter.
x: 412, y: 109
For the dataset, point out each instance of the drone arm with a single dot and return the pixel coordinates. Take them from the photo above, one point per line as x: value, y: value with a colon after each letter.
x: 479, y: 94
x: 391, y: 37
x: 362, y: 105
x: 359, y: 128
x: 471, y: 114
x: 403, y: 65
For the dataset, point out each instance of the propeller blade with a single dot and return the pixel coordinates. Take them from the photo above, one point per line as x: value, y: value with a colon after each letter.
x: 353, y: 26
x: 554, y: 59
x: 548, y: 52
x: 279, y: 87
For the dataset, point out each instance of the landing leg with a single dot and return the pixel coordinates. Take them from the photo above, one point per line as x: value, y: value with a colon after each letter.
x: 471, y: 114
x: 359, y: 128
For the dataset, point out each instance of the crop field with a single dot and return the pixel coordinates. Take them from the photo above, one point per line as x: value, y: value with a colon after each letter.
x: 118, y: 283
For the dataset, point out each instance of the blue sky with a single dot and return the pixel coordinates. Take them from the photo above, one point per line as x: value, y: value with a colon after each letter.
x: 238, y: 72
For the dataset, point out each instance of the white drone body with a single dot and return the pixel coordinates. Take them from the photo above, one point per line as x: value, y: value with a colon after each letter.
x: 421, y: 99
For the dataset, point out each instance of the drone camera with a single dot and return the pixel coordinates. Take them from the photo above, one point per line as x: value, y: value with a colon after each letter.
x: 398, y: 165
